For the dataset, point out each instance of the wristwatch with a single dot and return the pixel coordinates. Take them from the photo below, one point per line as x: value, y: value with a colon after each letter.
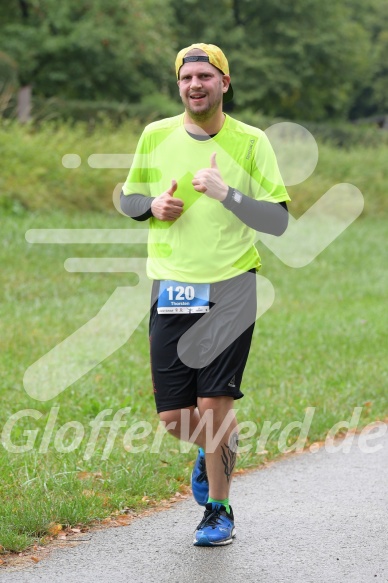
x: 236, y: 196
x: 233, y: 198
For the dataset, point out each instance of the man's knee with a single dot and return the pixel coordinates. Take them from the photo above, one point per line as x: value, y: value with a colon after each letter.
x: 176, y: 418
x: 170, y: 420
x: 218, y: 407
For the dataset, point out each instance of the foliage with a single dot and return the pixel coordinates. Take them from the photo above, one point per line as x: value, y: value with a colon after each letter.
x: 296, y: 59
x: 150, y: 108
x: 8, y: 81
x: 371, y: 96
x: 301, y: 59
x: 304, y: 59
x: 34, y: 178
x: 82, y: 50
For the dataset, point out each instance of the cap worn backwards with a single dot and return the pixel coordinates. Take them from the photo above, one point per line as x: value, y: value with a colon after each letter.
x: 214, y: 56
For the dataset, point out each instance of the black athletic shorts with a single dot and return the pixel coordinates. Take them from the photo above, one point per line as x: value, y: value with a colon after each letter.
x: 203, y: 355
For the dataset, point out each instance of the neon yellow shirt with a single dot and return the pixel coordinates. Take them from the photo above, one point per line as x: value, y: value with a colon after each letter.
x: 208, y: 243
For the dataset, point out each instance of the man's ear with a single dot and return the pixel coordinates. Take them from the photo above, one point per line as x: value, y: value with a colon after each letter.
x: 225, y: 83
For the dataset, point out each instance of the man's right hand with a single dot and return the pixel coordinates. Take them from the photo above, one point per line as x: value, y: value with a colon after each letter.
x: 165, y: 207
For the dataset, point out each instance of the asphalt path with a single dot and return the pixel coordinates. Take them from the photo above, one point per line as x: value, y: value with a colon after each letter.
x: 315, y: 517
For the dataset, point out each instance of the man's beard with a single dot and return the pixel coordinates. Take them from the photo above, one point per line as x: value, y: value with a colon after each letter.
x: 206, y: 114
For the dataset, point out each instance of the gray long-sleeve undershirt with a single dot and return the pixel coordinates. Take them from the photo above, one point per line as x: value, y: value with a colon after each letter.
x: 261, y: 215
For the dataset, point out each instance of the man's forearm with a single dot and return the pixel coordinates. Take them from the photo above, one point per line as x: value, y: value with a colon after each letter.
x: 261, y: 215
x: 136, y: 206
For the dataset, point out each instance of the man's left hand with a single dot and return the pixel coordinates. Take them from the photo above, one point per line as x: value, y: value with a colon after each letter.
x: 209, y: 181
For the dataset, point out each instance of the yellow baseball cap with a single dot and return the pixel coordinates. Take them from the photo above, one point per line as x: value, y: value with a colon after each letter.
x: 214, y: 56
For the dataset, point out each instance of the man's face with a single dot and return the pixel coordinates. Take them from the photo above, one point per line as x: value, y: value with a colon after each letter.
x: 201, y: 87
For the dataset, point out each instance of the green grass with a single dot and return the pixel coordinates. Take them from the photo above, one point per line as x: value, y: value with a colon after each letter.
x: 364, y: 167
x: 320, y: 345
x: 34, y: 178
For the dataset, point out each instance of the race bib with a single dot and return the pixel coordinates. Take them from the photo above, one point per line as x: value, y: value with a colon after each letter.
x: 176, y: 297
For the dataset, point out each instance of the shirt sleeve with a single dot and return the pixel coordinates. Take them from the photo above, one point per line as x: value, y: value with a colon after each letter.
x: 261, y: 215
x: 136, y: 206
x: 138, y: 178
x: 266, y: 180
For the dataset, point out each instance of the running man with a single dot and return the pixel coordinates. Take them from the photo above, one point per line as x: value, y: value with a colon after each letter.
x: 206, y: 182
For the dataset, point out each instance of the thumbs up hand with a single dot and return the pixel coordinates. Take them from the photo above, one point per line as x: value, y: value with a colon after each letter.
x: 210, y: 182
x: 165, y: 207
x: 173, y: 187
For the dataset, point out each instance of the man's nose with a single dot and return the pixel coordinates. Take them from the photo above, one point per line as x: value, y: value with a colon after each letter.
x: 196, y: 82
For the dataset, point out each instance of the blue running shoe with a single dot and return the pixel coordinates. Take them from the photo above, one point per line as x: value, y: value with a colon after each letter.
x: 216, y: 527
x: 199, y: 481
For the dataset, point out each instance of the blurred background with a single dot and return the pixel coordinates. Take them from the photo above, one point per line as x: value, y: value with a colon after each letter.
x: 83, y: 77
x: 304, y: 60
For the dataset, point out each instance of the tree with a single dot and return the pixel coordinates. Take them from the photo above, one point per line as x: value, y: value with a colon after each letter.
x: 304, y: 59
x: 90, y: 50
x: 300, y: 59
x: 371, y: 96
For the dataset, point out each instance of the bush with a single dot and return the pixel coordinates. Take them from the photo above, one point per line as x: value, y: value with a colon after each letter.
x: 340, y: 134
x: 151, y: 108
x: 8, y: 82
x: 34, y: 178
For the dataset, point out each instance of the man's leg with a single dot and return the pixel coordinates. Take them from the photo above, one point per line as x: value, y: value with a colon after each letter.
x: 217, y: 525
x: 213, y: 428
x: 183, y: 424
x: 220, y: 437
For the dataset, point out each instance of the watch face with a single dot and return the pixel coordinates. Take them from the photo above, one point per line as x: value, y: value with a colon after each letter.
x: 237, y: 197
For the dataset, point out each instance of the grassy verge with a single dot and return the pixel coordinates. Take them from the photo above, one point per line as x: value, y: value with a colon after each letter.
x: 320, y: 345
x: 34, y: 178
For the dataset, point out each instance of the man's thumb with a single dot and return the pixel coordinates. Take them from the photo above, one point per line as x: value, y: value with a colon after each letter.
x: 173, y: 187
x: 213, y: 163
